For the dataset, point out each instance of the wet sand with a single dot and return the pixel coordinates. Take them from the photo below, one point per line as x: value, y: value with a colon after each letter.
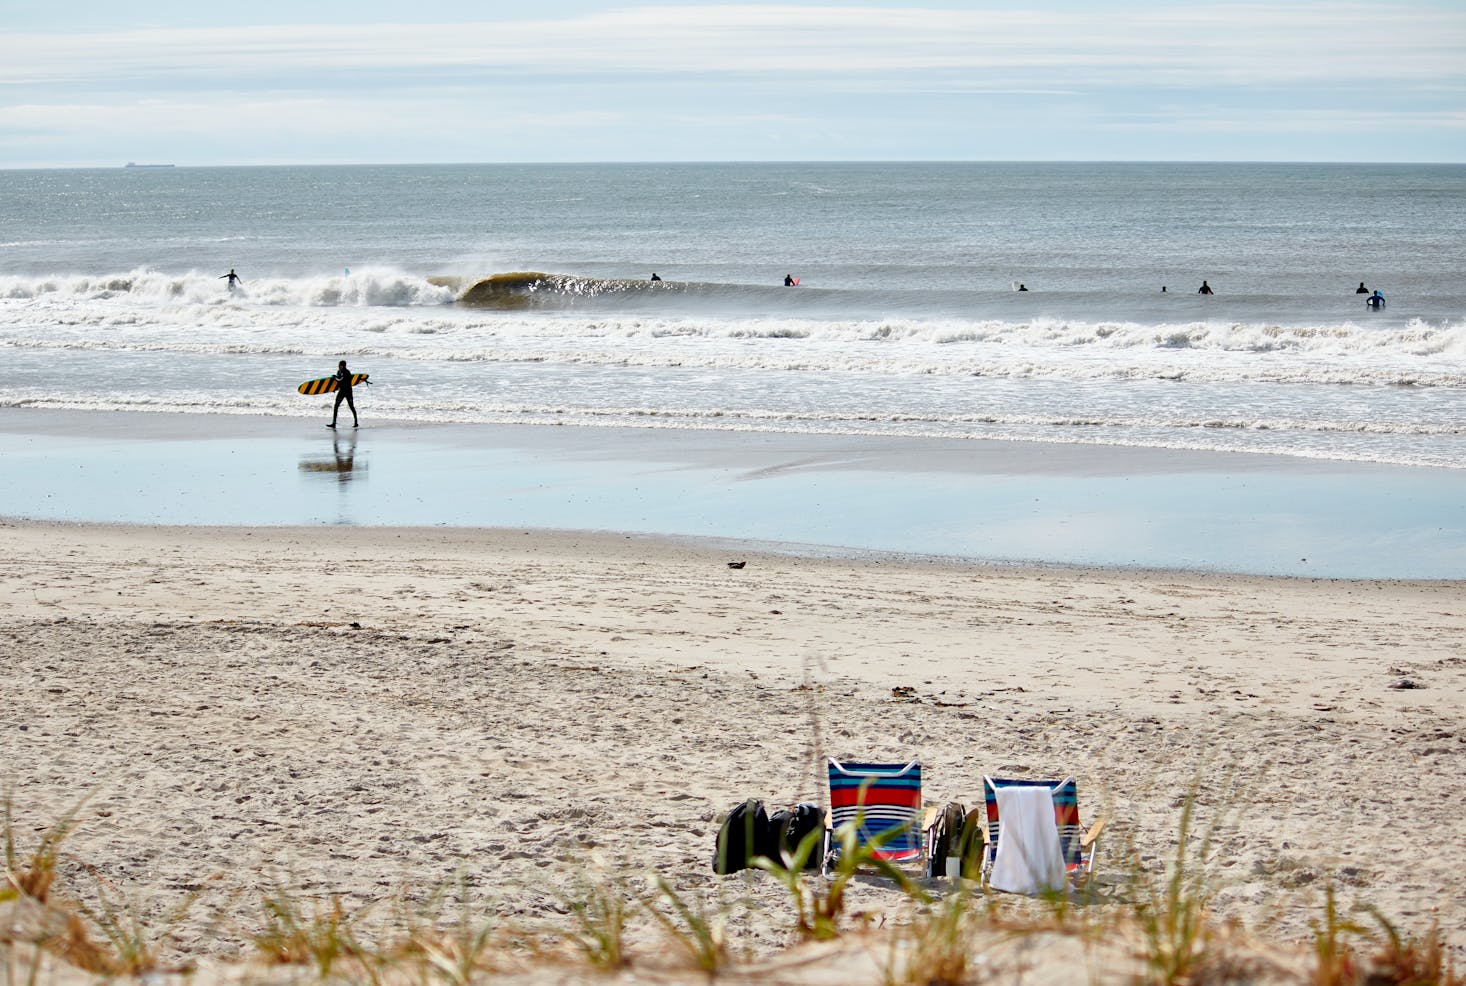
x: 1094, y: 506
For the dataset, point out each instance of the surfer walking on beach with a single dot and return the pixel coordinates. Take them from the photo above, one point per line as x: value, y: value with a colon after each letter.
x: 343, y: 393
x: 232, y: 278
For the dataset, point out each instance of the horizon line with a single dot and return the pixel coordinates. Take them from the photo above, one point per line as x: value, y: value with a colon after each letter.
x: 133, y: 165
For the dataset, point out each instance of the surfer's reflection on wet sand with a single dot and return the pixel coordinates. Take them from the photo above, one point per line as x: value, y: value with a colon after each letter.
x: 341, y: 462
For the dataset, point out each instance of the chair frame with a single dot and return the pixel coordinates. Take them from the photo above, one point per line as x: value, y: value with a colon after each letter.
x: 877, y: 818
x: 1078, y: 845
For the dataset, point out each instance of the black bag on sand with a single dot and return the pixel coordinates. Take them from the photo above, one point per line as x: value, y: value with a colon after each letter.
x: 745, y: 833
x: 792, y: 825
x: 974, y: 843
x: 946, y: 838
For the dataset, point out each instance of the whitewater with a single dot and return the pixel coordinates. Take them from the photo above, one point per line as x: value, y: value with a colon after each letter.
x: 534, y: 304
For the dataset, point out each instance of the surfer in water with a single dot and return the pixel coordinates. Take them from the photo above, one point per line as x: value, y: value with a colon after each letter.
x: 789, y: 281
x: 1361, y: 289
x: 1204, y: 289
x: 232, y: 278
x: 343, y: 393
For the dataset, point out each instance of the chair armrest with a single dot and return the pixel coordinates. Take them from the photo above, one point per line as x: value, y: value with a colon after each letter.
x: 1092, y: 836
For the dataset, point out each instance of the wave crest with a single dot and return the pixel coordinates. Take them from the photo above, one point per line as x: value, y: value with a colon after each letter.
x: 376, y: 287
x: 523, y: 289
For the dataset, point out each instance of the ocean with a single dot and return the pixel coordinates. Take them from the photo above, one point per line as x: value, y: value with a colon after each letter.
x: 522, y: 294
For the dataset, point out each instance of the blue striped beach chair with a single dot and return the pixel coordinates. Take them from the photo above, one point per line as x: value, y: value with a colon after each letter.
x: 1077, y: 845
x: 883, y: 800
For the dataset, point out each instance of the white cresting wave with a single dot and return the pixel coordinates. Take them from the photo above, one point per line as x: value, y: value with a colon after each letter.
x: 1012, y: 352
x: 1414, y: 355
x: 369, y: 287
x: 277, y: 313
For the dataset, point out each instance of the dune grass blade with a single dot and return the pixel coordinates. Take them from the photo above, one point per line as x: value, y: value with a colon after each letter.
x: 456, y: 955
x: 136, y: 941
x: 601, y: 911
x: 819, y: 902
x: 33, y: 876
x: 292, y: 936
x: 1172, y: 913
x: 936, y: 950
x: 1413, y: 962
x: 699, y: 934
x: 1335, y: 964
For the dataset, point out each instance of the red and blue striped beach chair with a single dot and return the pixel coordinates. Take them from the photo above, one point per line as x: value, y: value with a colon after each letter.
x: 1077, y: 845
x: 882, y: 800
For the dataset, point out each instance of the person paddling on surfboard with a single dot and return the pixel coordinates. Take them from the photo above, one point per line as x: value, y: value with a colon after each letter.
x: 343, y: 393
x: 232, y: 278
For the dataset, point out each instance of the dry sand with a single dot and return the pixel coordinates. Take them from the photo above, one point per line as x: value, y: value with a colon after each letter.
x: 356, y: 711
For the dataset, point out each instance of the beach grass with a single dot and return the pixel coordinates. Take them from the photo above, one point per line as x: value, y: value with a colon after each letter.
x: 600, y: 911
x: 1171, y: 906
x: 460, y: 949
x: 698, y: 928
x: 1157, y: 929
x: 820, y: 902
x: 31, y: 875
x: 937, y: 946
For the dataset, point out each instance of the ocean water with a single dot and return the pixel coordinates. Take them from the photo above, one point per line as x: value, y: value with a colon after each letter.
x: 521, y: 294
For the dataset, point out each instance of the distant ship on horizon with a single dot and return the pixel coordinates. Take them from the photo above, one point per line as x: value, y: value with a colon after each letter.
x: 134, y: 164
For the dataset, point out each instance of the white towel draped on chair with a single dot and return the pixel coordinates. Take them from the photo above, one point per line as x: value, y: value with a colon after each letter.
x: 1030, y: 859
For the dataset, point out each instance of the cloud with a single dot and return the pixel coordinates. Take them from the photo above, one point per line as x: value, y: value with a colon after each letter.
x: 1218, y: 120
x: 1213, y: 44
x: 285, y: 118
x: 1061, y: 80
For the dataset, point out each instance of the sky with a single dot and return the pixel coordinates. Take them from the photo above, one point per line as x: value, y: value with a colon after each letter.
x: 88, y: 84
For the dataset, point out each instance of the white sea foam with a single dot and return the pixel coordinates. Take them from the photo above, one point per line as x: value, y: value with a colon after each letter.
x: 148, y: 312
x: 375, y: 287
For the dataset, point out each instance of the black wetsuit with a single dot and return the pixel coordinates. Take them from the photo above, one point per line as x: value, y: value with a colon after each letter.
x: 343, y: 393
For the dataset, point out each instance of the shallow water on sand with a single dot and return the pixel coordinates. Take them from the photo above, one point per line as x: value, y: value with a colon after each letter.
x: 998, y: 501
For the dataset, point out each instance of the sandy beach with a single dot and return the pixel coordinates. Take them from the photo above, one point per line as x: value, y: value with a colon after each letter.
x: 368, y: 711
x: 437, y: 687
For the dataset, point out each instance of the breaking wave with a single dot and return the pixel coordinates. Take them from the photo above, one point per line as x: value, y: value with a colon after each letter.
x: 375, y: 287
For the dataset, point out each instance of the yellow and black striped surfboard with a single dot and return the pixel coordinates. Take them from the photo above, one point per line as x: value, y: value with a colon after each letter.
x: 326, y: 385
